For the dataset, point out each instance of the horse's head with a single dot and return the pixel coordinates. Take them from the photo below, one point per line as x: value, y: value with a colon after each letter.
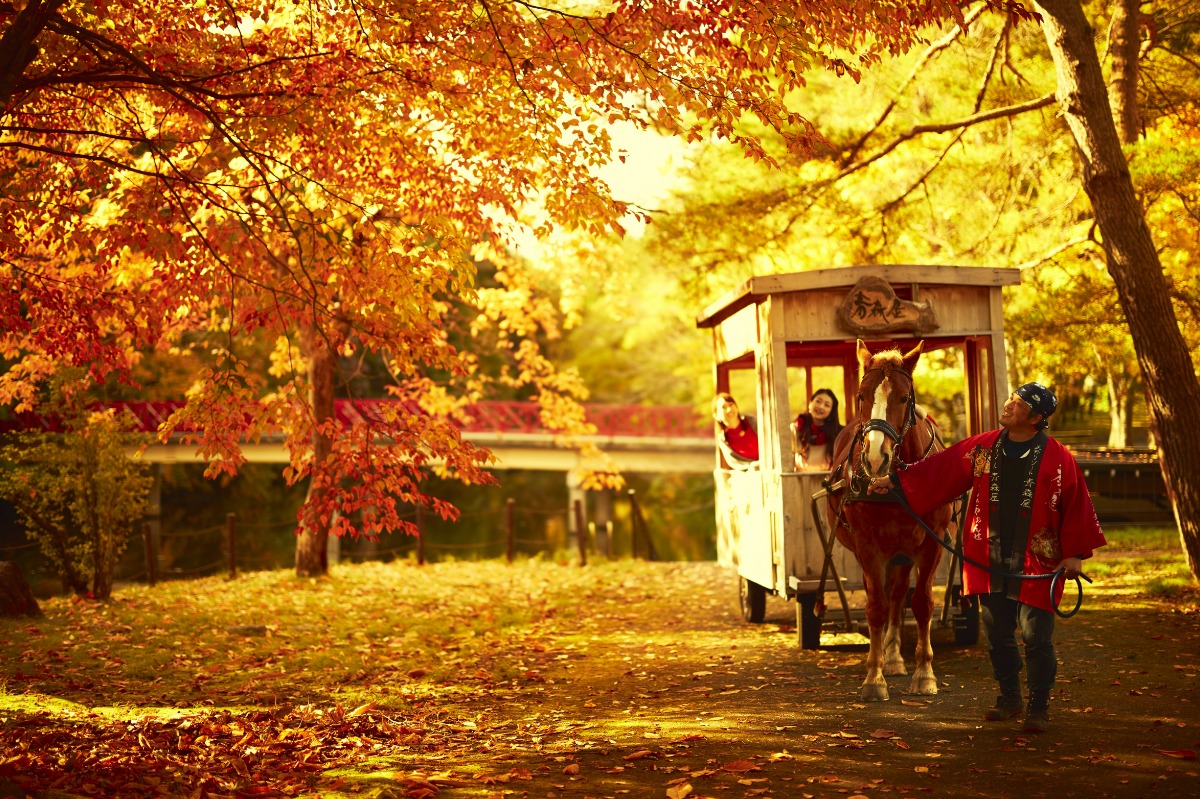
x: 886, y: 406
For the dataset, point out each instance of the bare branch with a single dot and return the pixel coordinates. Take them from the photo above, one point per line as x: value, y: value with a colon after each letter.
x: 947, y: 127
x: 1054, y: 252
x: 925, y: 58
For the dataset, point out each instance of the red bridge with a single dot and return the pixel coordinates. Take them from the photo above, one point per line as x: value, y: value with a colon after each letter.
x: 661, y: 421
x: 638, y: 437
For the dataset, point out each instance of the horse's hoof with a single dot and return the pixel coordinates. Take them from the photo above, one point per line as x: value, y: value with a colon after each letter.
x: 926, y: 686
x: 894, y: 668
x: 872, y: 692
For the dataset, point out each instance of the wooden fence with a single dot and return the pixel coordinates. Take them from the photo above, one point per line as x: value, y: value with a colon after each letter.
x: 595, y: 540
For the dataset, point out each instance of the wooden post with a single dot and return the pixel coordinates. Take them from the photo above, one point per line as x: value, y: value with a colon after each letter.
x: 509, y: 528
x: 231, y: 543
x: 151, y: 554
x: 639, y: 528
x: 608, y: 539
x: 420, y: 534
x: 634, y: 532
x: 580, y: 532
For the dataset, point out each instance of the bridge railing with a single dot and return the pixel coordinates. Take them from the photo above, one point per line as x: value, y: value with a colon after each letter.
x: 659, y: 421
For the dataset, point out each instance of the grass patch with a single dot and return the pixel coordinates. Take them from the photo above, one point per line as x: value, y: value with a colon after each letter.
x: 1133, y: 538
x: 272, y: 680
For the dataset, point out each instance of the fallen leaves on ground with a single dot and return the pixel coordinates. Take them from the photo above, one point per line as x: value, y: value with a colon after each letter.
x: 530, y: 677
x: 257, y: 753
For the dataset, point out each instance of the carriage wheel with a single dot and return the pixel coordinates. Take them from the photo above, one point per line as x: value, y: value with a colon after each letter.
x: 966, y: 618
x: 753, y: 599
x: 807, y: 623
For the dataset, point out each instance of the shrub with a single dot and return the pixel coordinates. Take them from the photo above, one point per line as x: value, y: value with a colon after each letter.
x: 78, y: 493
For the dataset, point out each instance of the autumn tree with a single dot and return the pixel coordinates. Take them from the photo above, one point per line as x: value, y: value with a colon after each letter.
x: 326, y: 174
x: 1133, y: 261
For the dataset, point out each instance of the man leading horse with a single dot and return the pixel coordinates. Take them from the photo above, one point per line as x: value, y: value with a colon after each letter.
x: 1030, y: 515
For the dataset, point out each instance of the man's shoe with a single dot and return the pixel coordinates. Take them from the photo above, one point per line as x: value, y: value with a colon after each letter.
x: 1037, y: 719
x: 1007, y: 707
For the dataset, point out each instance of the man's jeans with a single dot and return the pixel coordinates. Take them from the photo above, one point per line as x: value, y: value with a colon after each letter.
x: 1001, y: 619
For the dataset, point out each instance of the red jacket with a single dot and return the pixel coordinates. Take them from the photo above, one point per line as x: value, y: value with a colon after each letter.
x: 1062, y: 521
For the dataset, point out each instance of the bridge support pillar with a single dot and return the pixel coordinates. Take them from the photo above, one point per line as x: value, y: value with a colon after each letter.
x: 576, y: 492
x: 154, y: 515
x: 602, y: 514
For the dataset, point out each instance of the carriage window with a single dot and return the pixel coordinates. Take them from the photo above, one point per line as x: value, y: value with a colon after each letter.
x: 744, y: 388
x: 814, y: 453
x: 739, y: 447
x: 942, y: 390
x: 803, y: 381
x: 987, y: 413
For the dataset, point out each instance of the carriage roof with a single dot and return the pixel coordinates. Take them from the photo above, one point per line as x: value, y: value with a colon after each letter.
x: 916, y: 276
x: 808, y: 320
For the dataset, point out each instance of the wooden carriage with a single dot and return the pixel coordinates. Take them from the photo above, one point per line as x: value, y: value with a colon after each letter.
x: 776, y: 339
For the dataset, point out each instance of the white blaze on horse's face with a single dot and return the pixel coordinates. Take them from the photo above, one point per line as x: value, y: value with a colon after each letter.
x: 877, y: 454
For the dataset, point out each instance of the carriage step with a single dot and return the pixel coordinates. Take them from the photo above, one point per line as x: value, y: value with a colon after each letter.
x: 809, y: 586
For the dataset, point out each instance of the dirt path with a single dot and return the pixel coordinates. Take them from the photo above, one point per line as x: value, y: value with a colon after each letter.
x: 663, y: 691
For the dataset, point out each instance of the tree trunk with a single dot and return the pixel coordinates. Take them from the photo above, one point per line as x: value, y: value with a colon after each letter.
x: 1122, y: 94
x: 1130, y: 407
x: 72, y: 579
x: 1116, y: 412
x: 312, y: 558
x: 18, y: 45
x: 16, y: 598
x: 1133, y: 262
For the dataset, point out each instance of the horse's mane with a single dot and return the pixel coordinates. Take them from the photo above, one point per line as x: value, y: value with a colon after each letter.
x: 892, y: 357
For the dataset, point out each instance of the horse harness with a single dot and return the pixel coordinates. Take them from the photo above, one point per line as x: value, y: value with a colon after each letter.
x: 859, y: 480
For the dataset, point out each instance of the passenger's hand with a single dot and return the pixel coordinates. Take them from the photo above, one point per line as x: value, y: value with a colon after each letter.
x: 1071, y: 567
x: 879, y: 485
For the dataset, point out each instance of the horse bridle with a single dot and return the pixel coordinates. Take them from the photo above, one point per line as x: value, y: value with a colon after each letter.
x: 885, y: 427
x: 857, y: 478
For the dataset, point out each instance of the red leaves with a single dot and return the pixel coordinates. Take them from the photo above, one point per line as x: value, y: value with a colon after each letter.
x: 740, y: 766
x: 1182, y: 754
x: 218, y: 753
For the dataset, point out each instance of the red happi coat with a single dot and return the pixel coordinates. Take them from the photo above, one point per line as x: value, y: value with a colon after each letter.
x: 1062, y: 521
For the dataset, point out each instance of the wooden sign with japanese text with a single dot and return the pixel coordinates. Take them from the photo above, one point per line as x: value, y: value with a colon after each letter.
x: 873, y: 307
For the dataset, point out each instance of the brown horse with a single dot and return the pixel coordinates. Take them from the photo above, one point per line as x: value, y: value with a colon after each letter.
x: 890, y: 431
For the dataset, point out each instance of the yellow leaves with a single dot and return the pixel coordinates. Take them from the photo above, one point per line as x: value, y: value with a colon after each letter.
x: 287, y: 360
x: 104, y: 212
x: 681, y: 791
x: 361, y: 710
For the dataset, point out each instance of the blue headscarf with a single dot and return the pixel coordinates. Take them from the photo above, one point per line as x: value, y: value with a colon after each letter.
x: 1040, y: 400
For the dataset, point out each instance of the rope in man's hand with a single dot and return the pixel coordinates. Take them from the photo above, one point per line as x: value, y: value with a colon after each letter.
x: 1070, y: 568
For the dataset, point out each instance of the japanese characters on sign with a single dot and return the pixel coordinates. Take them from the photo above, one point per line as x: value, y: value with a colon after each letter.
x: 873, y: 307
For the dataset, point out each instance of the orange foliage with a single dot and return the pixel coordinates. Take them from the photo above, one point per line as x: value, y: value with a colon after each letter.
x: 321, y: 171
